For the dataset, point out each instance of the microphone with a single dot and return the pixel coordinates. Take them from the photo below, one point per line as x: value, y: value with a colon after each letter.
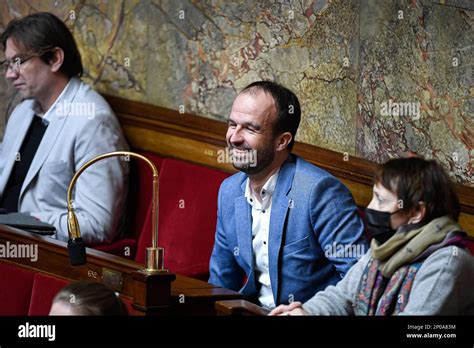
x: 77, y: 247
x: 77, y: 251
x: 75, y: 244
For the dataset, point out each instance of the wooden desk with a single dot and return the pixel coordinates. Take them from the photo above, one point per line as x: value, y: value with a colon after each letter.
x: 151, y: 294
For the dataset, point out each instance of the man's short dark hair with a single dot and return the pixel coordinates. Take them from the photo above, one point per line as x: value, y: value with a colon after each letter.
x: 39, y: 33
x: 286, y: 103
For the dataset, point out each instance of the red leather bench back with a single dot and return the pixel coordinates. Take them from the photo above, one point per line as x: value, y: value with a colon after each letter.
x: 187, y: 213
x: 187, y: 217
x: 26, y: 292
x: 15, y: 292
x: 44, y: 289
x: 138, y: 202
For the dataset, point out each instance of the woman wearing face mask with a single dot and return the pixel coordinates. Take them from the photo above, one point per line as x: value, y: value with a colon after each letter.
x: 417, y: 263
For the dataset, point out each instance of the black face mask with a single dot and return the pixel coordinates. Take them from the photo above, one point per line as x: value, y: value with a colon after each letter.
x: 378, y: 224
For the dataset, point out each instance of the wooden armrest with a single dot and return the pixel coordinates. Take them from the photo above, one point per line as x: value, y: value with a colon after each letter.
x: 239, y: 307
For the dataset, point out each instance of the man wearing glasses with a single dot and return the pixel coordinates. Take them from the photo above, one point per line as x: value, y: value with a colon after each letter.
x: 60, y: 124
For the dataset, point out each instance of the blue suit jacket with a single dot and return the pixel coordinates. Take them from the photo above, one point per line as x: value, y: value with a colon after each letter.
x: 312, y: 212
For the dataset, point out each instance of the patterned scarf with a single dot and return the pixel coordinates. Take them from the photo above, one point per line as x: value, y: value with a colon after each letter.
x: 387, y: 280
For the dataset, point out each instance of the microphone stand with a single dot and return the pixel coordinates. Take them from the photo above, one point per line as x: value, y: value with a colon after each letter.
x: 76, y: 246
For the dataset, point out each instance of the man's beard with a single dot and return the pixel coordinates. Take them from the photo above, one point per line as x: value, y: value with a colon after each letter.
x: 252, y: 161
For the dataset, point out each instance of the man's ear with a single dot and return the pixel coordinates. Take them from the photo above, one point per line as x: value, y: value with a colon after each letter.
x: 283, y: 140
x: 57, y: 59
x: 417, y: 213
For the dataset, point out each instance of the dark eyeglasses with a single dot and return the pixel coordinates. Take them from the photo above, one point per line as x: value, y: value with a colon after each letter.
x: 15, y: 63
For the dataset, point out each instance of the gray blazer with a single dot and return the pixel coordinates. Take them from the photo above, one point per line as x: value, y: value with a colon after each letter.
x: 81, y: 126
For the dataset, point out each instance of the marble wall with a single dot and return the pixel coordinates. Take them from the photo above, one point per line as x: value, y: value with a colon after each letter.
x: 376, y: 78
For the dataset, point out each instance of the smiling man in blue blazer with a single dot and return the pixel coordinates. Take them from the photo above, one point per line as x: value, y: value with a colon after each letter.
x: 285, y: 228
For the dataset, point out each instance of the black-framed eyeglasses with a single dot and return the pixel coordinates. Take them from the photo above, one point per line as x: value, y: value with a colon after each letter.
x: 15, y: 63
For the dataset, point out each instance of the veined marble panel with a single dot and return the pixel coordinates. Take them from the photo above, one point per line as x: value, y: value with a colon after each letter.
x: 415, y: 88
x: 375, y: 78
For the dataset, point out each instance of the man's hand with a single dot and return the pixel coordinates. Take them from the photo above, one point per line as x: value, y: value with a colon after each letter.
x: 294, y: 308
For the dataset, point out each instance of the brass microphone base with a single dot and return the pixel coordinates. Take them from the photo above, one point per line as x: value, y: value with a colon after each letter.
x: 154, y: 260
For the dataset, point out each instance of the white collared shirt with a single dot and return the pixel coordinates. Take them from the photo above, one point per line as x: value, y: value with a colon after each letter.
x: 260, y: 233
x: 45, y: 114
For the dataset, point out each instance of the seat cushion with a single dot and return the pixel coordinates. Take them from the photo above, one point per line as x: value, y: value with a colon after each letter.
x: 187, y: 217
x: 138, y: 202
x: 15, y: 292
x: 45, y: 288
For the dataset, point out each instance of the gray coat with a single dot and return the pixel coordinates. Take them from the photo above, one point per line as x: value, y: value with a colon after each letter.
x: 443, y: 286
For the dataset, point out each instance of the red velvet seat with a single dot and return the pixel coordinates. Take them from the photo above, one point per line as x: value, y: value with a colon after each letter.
x: 187, y: 217
x: 139, y: 199
x: 15, y: 292
x: 25, y: 292
x: 44, y: 289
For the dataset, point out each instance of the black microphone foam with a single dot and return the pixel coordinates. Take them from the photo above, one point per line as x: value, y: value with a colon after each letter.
x: 77, y: 251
